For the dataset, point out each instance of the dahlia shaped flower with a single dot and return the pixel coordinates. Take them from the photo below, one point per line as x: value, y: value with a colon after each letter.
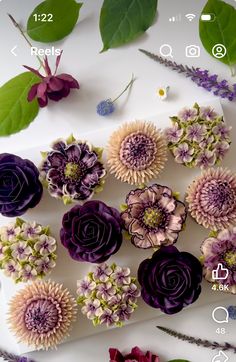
x: 153, y: 216
x: 41, y: 314
x: 212, y: 199
x: 20, y: 188
x: 136, y: 152
x: 136, y: 355
x: 108, y: 295
x: 92, y: 232
x: 27, y: 250
x: 73, y: 170
x: 220, y: 248
x: 170, y: 280
x: 198, y: 137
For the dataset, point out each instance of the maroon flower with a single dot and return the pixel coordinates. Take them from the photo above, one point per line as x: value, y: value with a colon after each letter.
x: 51, y: 86
x: 136, y: 355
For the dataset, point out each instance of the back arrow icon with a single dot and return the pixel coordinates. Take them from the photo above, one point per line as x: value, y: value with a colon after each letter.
x: 13, y: 51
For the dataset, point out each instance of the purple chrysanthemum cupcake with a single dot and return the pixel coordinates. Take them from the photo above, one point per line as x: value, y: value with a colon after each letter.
x: 220, y: 248
x: 92, y: 232
x: 108, y: 295
x: 153, y: 216
x: 20, y: 188
x: 73, y: 170
x: 198, y: 137
x: 212, y: 199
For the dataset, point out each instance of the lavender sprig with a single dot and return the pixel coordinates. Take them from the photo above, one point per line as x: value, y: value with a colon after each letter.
x: 201, y: 77
x: 10, y: 357
x: 198, y: 341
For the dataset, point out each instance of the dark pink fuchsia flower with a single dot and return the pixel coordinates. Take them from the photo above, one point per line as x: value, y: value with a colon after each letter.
x: 136, y: 355
x: 51, y: 86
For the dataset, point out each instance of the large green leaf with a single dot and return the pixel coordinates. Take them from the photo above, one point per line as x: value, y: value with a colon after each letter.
x: 64, y: 17
x: 16, y: 113
x: 220, y: 31
x: 121, y: 21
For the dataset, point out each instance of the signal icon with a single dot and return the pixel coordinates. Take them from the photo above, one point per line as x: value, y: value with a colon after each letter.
x: 190, y: 17
x: 175, y: 18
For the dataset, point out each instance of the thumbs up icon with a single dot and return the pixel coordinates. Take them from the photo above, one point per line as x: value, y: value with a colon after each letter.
x: 221, y: 357
x: 220, y: 273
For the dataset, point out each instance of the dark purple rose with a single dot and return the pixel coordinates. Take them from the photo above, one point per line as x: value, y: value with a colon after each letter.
x: 92, y: 232
x: 170, y: 280
x: 136, y: 355
x: 51, y: 86
x: 20, y: 188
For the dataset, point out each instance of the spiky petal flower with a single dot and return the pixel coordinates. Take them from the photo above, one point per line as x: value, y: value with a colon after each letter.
x: 220, y: 248
x: 136, y: 152
x: 153, y: 216
x: 41, y: 314
x: 212, y: 199
x: 27, y: 250
x: 73, y: 170
x: 108, y: 301
x: 198, y: 137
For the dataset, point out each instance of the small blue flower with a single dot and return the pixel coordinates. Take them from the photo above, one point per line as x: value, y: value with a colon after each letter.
x: 104, y: 108
x: 232, y: 312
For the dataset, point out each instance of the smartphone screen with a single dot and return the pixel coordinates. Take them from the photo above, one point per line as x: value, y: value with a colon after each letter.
x: 118, y: 180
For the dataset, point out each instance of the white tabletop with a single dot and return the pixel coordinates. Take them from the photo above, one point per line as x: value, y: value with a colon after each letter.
x: 102, y: 76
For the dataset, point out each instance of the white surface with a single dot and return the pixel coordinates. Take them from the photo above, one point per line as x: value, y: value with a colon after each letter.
x: 102, y: 76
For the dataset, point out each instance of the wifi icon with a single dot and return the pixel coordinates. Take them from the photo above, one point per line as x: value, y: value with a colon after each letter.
x: 190, y: 17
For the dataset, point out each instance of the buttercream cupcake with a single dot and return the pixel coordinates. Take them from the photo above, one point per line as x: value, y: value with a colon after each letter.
x: 219, y: 259
x: 41, y: 314
x: 211, y: 199
x: 27, y: 250
x: 136, y: 152
x: 198, y: 137
x: 73, y: 170
x: 153, y: 216
x: 108, y: 295
x: 92, y: 232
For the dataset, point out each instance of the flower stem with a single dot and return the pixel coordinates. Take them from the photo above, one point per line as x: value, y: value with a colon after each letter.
x: 126, y: 88
x: 26, y: 39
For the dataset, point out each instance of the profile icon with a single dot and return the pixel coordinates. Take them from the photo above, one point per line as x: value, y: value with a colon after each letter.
x: 219, y: 51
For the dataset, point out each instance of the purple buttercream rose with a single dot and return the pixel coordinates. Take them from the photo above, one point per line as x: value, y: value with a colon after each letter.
x: 92, y: 232
x: 20, y: 188
x: 170, y: 280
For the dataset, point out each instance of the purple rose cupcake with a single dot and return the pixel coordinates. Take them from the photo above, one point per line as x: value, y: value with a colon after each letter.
x: 170, y: 280
x: 73, y: 170
x: 92, y: 232
x: 20, y: 188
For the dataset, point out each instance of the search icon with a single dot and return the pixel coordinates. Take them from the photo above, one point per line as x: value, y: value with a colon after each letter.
x: 166, y: 50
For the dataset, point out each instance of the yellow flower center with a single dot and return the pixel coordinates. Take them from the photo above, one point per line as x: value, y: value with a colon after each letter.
x: 230, y: 258
x: 161, y: 92
x: 72, y: 171
x: 152, y: 217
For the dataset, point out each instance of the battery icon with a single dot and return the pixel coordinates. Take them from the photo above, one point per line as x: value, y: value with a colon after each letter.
x: 208, y: 17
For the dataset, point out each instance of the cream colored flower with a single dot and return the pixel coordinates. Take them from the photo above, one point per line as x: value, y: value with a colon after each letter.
x: 136, y: 152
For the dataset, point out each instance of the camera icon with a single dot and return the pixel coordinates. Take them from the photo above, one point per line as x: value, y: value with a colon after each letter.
x: 192, y: 51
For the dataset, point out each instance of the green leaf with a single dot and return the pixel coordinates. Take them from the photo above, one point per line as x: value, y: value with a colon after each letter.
x: 16, y: 113
x: 220, y: 31
x: 122, y: 21
x: 64, y: 17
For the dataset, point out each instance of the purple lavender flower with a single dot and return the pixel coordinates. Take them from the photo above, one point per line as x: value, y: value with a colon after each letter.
x: 124, y: 312
x: 21, y: 250
x: 221, y: 149
x: 196, y: 132
x: 121, y: 275
x: 102, y: 272
x: 109, y: 318
x: 105, y: 108
x: 45, y: 245
x: 206, y: 159
x: 201, y: 77
x: 222, y: 131
x: 105, y: 291
x: 92, y: 309
x: 183, y: 153
x: 85, y: 287
x: 187, y: 114
x: 27, y: 273
x: 44, y: 265
x: 131, y: 292
x: 173, y: 134
x: 208, y: 113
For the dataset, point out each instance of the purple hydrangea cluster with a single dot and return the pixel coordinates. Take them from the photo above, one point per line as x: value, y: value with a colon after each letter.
x: 108, y: 295
x: 27, y: 251
x: 198, y: 137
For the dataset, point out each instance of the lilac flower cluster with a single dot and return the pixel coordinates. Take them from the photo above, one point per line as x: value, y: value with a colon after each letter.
x: 198, y: 137
x: 27, y: 251
x: 199, y: 76
x: 108, y: 295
